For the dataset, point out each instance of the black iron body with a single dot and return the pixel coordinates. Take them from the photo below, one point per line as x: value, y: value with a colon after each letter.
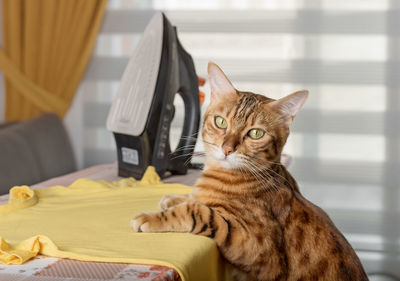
x: 176, y: 75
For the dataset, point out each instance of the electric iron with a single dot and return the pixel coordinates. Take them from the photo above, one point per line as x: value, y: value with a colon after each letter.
x: 141, y: 115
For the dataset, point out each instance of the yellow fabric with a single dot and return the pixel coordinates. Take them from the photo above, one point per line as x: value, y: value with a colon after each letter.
x: 47, y: 45
x: 90, y: 221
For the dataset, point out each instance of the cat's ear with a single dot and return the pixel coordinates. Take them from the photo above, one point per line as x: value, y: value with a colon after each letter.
x: 290, y: 105
x: 219, y: 83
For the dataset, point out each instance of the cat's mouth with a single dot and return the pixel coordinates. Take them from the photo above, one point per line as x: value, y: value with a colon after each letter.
x: 226, y: 164
x: 230, y: 161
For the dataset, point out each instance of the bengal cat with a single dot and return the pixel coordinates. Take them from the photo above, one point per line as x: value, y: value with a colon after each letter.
x: 248, y: 202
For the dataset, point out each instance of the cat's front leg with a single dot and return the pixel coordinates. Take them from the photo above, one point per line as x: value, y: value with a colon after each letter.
x: 151, y: 222
x: 164, y: 221
x: 191, y: 217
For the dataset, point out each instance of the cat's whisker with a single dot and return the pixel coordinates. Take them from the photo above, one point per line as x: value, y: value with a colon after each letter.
x: 250, y: 162
x: 267, y: 178
x: 195, y: 153
x: 188, y: 161
x: 183, y: 148
x: 264, y: 182
x: 263, y: 160
x: 192, y: 136
x: 195, y: 138
x: 241, y: 169
x: 188, y: 138
x: 259, y: 177
x: 269, y: 169
x: 273, y: 182
x: 195, y: 134
x: 261, y: 180
x: 280, y: 176
x: 182, y: 155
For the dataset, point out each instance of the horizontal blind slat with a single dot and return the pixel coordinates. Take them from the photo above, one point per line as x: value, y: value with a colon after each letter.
x: 294, y: 71
x: 307, y: 121
x: 305, y: 21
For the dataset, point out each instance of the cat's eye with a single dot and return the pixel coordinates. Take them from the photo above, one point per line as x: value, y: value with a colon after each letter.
x: 220, y: 122
x: 256, y: 134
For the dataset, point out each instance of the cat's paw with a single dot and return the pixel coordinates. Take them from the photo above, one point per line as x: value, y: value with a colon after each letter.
x: 170, y: 200
x: 140, y: 223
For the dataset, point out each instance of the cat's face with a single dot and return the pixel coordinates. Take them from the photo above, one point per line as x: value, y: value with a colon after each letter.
x: 243, y: 129
x: 240, y: 129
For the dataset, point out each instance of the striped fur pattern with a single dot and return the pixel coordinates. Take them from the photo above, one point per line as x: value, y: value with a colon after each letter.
x: 249, y: 203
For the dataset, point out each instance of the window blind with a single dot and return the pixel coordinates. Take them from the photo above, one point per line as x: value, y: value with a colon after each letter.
x: 345, y: 142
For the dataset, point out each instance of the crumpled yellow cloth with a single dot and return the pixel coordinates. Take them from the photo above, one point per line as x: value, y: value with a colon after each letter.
x: 89, y: 221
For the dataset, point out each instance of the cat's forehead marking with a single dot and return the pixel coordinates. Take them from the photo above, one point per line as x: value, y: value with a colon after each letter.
x: 246, y: 104
x: 244, y: 111
x: 246, y: 107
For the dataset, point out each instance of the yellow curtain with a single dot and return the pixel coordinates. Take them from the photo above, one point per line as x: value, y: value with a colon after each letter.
x: 46, y: 47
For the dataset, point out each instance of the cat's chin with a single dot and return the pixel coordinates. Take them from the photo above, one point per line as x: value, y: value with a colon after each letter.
x: 218, y: 165
x: 228, y: 164
x: 216, y: 158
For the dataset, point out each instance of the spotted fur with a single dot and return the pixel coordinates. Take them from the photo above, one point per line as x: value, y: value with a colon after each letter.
x: 249, y: 203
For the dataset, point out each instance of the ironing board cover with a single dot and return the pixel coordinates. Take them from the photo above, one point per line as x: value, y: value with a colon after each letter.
x: 47, y: 268
x: 56, y: 269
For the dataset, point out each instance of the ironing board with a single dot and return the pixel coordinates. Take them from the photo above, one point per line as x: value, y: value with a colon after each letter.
x: 57, y: 269
x: 49, y: 269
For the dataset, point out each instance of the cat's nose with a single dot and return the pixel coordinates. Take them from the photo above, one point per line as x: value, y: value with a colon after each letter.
x: 227, y: 149
x: 230, y: 143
